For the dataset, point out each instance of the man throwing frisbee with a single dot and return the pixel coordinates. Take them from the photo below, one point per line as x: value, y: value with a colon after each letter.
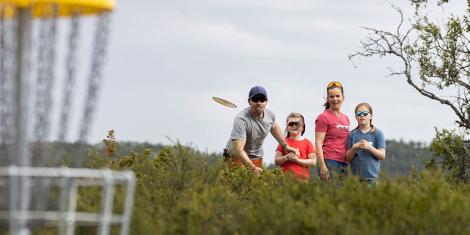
x: 250, y: 128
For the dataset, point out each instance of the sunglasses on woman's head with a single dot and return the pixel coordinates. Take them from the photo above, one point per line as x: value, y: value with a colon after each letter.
x: 259, y: 98
x: 334, y: 84
x: 362, y: 114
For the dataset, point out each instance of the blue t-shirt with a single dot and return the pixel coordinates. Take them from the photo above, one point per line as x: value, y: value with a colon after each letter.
x: 364, y: 163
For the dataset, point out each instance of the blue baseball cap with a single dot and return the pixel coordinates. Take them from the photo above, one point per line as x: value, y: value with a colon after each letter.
x: 257, y: 90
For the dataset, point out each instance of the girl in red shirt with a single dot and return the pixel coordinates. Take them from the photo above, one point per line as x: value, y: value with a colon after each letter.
x: 289, y: 162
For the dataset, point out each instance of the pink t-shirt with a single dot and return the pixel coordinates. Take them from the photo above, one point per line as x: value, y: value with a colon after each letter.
x: 336, y: 129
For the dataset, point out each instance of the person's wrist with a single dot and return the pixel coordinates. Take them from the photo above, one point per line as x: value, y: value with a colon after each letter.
x: 284, y: 145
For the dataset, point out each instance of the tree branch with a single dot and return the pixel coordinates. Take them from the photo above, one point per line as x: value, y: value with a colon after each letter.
x: 382, y: 43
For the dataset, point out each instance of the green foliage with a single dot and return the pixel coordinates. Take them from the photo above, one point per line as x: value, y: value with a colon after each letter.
x: 443, y: 59
x: 110, y: 144
x: 180, y: 192
x: 433, y: 52
x: 421, y: 3
x: 450, y: 155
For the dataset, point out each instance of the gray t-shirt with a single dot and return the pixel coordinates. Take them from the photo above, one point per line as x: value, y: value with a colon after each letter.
x: 253, y: 131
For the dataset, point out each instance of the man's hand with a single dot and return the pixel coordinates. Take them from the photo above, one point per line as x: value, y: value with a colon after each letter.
x: 292, y: 150
x: 257, y: 170
x: 291, y: 157
x: 277, y: 133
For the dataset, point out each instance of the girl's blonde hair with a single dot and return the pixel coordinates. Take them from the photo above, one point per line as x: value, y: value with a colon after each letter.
x: 370, y: 112
x: 296, y: 115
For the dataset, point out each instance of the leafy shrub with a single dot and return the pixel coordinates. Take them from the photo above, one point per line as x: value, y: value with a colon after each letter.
x: 180, y: 192
x: 451, y: 155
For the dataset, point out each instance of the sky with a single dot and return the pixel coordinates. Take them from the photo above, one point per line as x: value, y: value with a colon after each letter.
x: 166, y: 60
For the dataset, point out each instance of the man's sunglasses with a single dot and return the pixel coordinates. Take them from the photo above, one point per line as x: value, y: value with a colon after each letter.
x: 362, y: 114
x: 292, y: 124
x: 257, y: 99
x: 334, y: 84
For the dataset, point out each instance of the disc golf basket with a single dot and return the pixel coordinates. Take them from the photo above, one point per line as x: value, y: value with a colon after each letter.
x: 37, y: 191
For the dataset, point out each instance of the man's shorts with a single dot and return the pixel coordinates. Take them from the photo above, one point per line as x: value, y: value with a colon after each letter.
x: 234, y: 161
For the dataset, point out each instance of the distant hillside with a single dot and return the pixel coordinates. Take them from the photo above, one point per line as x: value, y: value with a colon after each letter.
x: 402, y: 157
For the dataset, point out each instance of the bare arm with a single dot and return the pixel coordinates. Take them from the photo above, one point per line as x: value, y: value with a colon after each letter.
x: 363, y: 144
x: 310, y: 161
x: 313, y: 157
x: 351, y: 153
x: 238, y: 146
x: 280, y: 159
x: 377, y: 153
x: 319, y: 138
x: 277, y: 134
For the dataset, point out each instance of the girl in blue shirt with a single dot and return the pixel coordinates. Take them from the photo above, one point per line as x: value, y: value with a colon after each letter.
x: 365, y: 146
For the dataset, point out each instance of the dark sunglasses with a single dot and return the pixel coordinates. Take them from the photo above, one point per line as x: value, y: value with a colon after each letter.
x: 257, y: 99
x: 362, y: 114
x: 334, y: 84
x: 291, y: 124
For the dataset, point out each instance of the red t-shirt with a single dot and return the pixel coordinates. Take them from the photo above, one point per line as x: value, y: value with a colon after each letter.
x: 336, y: 134
x: 305, y: 148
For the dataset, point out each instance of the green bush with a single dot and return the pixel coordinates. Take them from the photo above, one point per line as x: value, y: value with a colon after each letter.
x: 180, y: 192
x: 451, y: 155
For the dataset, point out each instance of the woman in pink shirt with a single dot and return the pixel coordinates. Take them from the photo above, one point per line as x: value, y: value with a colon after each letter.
x: 331, y: 133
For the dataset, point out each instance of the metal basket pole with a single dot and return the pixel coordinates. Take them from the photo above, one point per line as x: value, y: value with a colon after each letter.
x: 20, y: 150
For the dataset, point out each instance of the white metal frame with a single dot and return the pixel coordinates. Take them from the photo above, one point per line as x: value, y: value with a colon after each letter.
x: 70, y: 179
